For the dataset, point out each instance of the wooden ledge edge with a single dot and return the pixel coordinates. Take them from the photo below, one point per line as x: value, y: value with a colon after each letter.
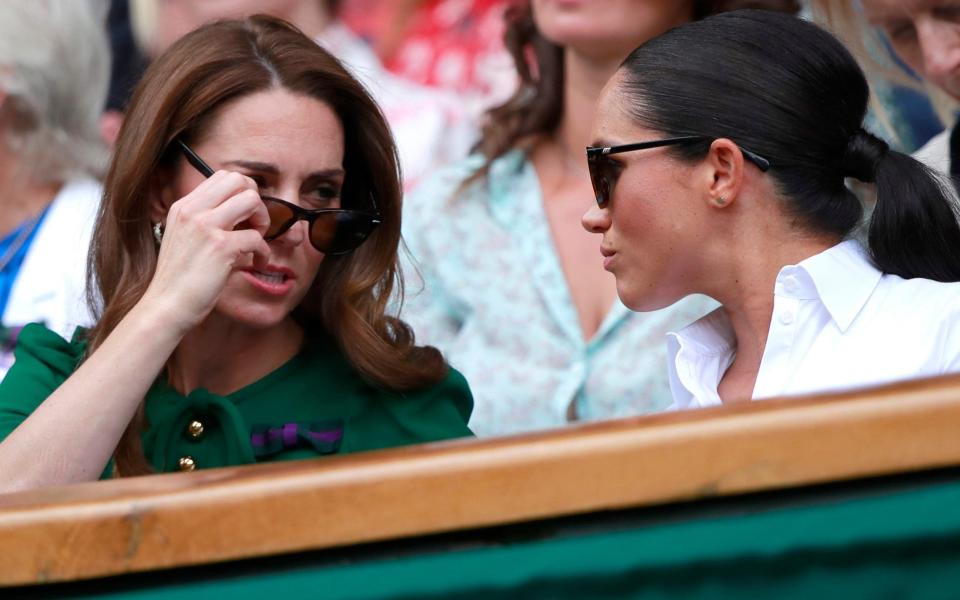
x: 121, y: 526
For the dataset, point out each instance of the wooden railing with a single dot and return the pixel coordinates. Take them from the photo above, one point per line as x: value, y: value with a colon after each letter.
x: 139, y: 524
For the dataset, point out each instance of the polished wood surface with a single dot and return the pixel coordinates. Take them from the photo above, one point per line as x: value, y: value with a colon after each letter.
x: 122, y: 526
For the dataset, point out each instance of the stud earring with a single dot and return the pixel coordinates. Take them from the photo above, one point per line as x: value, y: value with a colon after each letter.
x: 158, y: 233
x: 720, y: 201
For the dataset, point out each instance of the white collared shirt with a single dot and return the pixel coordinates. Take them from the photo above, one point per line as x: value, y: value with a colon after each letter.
x: 838, y: 323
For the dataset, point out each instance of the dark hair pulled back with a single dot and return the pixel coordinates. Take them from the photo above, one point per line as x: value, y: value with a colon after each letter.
x: 537, y: 106
x: 789, y: 91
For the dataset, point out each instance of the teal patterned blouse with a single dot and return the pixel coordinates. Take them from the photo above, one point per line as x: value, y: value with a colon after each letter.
x: 488, y: 289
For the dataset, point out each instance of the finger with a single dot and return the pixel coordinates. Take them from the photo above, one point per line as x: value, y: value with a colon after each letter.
x: 259, y: 220
x: 250, y: 241
x: 214, y: 191
x: 244, y: 206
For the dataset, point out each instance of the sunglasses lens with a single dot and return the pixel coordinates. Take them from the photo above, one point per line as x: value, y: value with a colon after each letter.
x: 342, y: 231
x: 599, y: 179
x: 333, y: 232
x: 281, y: 217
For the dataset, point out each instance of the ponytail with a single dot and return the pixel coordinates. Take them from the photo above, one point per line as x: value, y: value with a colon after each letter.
x: 913, y: 230
x: 808, y: 124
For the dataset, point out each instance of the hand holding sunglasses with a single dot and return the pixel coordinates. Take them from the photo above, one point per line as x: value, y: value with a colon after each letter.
x: 331, y: 230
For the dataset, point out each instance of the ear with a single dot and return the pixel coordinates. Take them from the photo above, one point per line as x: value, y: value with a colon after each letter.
x: 725, y: 161
x: 160, y: 196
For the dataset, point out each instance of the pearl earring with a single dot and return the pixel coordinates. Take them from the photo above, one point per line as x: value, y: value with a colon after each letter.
x: 158, y: 233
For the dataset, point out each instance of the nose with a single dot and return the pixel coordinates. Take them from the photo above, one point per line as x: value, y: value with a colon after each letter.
x: 293, y: 236
x: 940, y: 50
x: 596, y: 219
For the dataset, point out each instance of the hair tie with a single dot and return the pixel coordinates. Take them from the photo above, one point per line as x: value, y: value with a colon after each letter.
x: 864, y: 152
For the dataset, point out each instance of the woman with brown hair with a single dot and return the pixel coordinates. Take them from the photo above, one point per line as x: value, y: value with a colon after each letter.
x: 242, y: 310
x: 509, y: 291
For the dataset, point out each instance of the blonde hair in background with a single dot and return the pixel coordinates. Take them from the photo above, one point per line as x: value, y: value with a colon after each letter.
x: 845, y: 18
x: 143, y: 21
x: 55, y: 71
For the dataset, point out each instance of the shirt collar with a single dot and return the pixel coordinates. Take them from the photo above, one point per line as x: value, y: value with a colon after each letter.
x: 844, y: 278
x: 711, y: 334
x: 697, y: 357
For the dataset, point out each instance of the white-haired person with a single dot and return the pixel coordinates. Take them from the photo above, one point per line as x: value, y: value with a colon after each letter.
x: 54, y: 72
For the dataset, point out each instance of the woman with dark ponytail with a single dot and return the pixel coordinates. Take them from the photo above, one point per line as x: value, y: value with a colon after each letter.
x: 504, y: 284
x: 719, y: 162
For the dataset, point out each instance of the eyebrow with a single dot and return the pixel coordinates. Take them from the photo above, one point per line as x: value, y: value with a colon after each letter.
x: 601, y: 143
x: 273, y: 170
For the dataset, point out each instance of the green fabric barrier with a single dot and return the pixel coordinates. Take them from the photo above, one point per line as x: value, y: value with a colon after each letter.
x: 887, y: 545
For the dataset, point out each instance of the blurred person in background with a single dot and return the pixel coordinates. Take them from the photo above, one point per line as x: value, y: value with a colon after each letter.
x: 54, y: 70
x: 744, y: 198
x: 429, y: 126
x: 126, y: 68
x: 925, y: 35
x: 243, y: 308
x: 455, y: 45
x: 510, y: 291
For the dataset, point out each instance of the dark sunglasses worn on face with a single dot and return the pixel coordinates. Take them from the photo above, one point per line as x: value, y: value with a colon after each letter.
x: 604, y: 172
x: 332, y: 230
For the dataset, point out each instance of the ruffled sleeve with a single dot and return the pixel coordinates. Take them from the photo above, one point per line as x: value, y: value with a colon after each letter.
x: 437, y: 413
x: 44, y: 360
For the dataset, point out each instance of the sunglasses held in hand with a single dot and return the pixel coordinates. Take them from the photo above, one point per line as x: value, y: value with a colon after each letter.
x: 332, y: 230
x: 604, y: 172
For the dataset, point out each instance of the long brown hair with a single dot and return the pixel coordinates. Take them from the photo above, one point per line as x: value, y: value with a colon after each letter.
x: 177, y: 97
x: 536, y: 107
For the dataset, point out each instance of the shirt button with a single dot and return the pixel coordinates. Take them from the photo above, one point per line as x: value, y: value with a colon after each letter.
x: 195, y: 429
x: 187, y: 463
x: 786, y: 317
x: 790, y: 285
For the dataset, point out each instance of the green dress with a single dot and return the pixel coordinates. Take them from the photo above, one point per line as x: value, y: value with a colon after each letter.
x: 315, y: 404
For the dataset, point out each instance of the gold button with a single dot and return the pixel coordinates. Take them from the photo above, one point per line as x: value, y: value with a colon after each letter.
x: 187, y: 463
x: 195, y: 429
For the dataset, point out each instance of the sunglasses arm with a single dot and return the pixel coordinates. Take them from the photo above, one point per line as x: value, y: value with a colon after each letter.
x: 195, y: 161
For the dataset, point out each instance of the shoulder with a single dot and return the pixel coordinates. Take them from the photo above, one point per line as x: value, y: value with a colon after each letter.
x: 928, y: 308
x: 936, y: 152
x: 44, y: 360
x: 67, y: 227
x: 78, y: 199
x: 51, y: 283
x: 42, y: 351
x: 922, y: 295
x: 452, y: 391
x: 437, y: 412
x: 325, y: 361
